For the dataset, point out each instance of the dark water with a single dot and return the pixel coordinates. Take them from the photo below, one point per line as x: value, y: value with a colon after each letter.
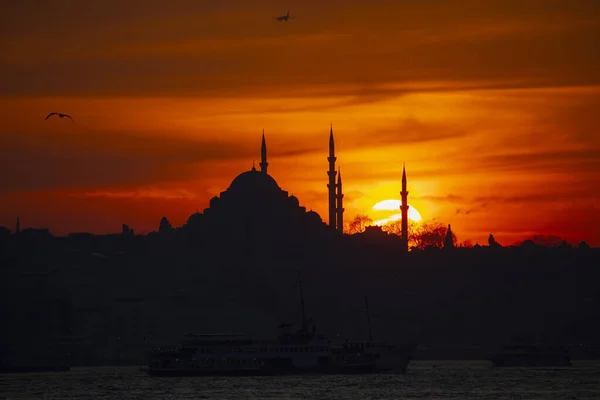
x: 425, y: 379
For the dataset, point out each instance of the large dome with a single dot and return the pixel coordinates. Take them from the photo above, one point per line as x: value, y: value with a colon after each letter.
x: 253, y: 180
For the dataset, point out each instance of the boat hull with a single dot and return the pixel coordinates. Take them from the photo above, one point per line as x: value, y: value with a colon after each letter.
x: 399, y: 367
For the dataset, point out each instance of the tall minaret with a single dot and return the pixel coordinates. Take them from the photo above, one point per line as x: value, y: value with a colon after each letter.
x: 18, y: 226
x: 404, y: 209
x: 340, y: 207
x: 263, y: 155
x: 331, y: 185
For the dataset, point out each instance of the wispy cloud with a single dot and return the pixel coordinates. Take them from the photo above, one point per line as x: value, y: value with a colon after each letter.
x: 143, y: 193
x: 107, y: 160
x: 580, y: 160
x: 464, y: 212
x: 408, y: 131
x: 547, y: 196
x: 451, y: 198
x: 210, y: 50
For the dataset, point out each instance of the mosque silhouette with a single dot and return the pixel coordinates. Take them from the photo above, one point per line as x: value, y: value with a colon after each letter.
x: 254, y: 206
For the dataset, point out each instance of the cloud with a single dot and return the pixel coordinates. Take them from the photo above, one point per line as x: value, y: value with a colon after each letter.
x: 352, y: 195
x: 294, y: 152
x: 573, y: 160
x: 549, y: 196
x: 143, y: 193
x: 464, y: 212
x: 451, y: 198
x: 203, y: 50
x: 365, y: 173
x: 108, y: 160
x: 408, y: 131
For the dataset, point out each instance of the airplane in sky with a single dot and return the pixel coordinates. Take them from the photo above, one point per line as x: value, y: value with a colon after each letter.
x: 283, y: 18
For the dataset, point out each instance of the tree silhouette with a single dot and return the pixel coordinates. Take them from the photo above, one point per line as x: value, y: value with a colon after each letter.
x: 431, y: 235
x: 583, y: 246
x: 359, y: 224
x: 421, y: 235
x: 467, y: 244
x: 395, y: 228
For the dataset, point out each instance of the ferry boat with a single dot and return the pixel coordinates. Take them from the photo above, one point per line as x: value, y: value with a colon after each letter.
x: 528, y: 355
x: 303, y: 351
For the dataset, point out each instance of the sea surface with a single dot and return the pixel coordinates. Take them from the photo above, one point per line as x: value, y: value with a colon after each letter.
x: 424, y: 380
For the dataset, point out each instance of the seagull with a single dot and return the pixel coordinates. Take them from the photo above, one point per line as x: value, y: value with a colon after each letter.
x: 283, y: 18
x: 59, y: 116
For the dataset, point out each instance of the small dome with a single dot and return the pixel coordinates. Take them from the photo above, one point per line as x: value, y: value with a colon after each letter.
x: 294, y: 201
x: 253, y: 180
x: 314, y: 216
x: 194, y: 218
x: 214, y: 201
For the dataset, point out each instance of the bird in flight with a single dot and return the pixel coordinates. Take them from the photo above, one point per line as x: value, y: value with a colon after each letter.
x: 283, y: 18
x: 59, y: 116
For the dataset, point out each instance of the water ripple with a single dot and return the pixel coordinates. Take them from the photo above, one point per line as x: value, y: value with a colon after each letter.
x: 431, y: 380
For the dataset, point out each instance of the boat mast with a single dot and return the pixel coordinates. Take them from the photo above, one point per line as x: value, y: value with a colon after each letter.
x: 304, y: 327
x: 368, y: 318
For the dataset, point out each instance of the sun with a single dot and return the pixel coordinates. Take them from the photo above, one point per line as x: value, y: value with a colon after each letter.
x: 393, y: 205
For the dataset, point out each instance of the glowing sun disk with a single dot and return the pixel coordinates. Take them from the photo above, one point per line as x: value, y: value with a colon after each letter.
x: 393, y: 205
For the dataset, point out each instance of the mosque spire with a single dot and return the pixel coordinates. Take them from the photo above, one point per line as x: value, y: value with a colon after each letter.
x: 331, y: 185
x: 263, y: 155
x: 331, y: 143
x: 404, y: 210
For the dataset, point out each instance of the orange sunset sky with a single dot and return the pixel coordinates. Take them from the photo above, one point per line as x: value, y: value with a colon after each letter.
x: 494, y: 106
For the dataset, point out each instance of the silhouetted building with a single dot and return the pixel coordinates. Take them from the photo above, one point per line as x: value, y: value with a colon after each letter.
x: 33, y: 234
x: 18, y: 225
x: 165, y: 226
x: 126, y: 231
x: 404, y: 209
x: 492, y: 241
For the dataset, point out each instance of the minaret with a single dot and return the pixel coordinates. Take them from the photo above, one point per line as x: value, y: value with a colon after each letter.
x: 331, y: 185
x: 18, y: 226
x: 263, y: 155
x: 340, y: 207
x: 448, y: 242
x: 404, y: 209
